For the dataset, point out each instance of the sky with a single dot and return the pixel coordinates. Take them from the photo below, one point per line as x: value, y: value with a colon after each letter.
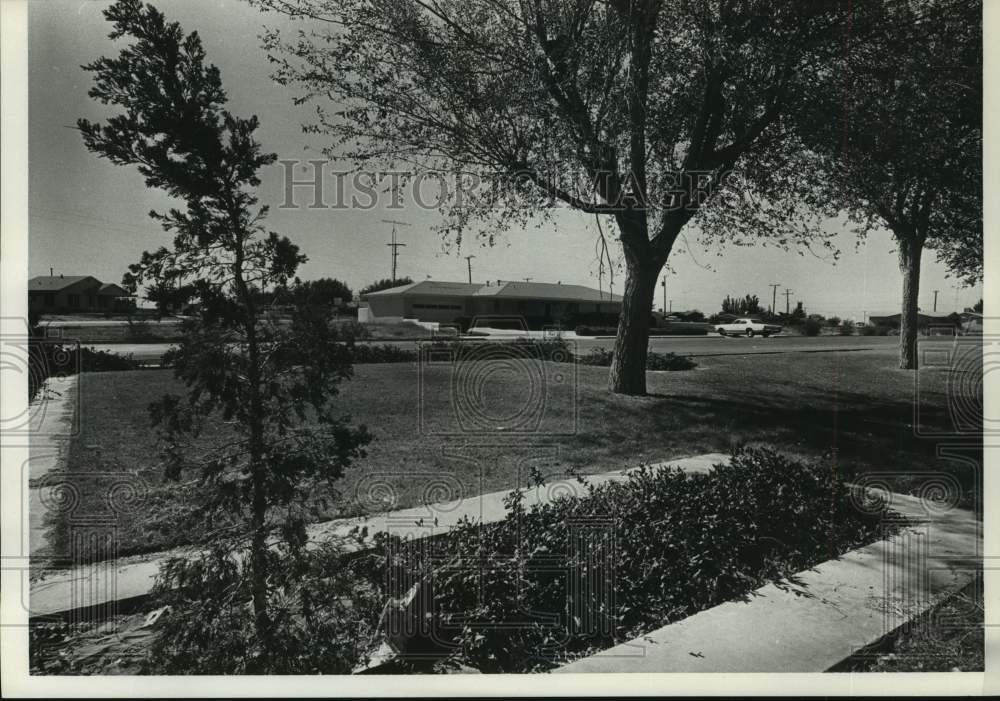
x: 89, y: 217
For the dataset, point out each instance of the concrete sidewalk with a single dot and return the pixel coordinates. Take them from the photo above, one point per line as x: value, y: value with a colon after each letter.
x: 55, y: 412
x: 103, y: 583
x: 821, y: 616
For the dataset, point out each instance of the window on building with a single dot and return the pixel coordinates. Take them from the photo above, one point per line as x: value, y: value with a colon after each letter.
x: 50, y: 299
x: 74, y: 301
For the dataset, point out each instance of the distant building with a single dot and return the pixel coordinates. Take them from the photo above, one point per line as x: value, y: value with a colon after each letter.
x: 923, y: 319
x: 539, y: 302
x: 74, y: 293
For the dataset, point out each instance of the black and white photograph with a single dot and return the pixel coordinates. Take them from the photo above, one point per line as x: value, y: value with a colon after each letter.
x: 366, y: 346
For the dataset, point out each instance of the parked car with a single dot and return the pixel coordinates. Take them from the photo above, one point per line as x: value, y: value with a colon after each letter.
x: 747, y: 327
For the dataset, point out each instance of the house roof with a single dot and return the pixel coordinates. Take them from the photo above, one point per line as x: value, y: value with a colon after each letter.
x: 429, y: 287
x: 110, y: 288
x: 547, y: 290
x: 56, y: 283
x: 509, y: 290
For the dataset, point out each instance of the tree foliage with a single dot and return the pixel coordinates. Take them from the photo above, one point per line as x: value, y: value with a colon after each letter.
x: 385, y: 284
x: 899, y: 129
x: 271, y: 383
x: 323, y: 291
x: 639, y: 112
x: 750, y: 304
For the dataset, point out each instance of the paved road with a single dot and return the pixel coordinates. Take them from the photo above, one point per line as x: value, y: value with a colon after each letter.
x: 719, y: 345
x: 150, y: 353
x: 74, y: 323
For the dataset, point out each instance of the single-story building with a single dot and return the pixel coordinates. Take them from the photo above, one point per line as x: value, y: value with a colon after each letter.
x: 923, y: 319
x: 74, y: 293
x: 434, y: 301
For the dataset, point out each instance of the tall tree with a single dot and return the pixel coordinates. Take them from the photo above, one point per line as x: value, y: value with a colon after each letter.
x: 635, y: 111
x: 271, y: 382
x: 900, y: 124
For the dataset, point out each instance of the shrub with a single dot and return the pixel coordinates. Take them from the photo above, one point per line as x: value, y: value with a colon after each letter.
x: 811, y: 327
x: 596, y: 331
x: 670, y: 328
x: 93, y: 360
x: 353, y: 330
x: 46, y: 358
x: 669, y: 361
x: 833, y: 321
x: 600, y: 357
x: 674, y: 543
x: 323, y: 615
x: 847, y: 328
x: 384, y: 353
x: 654, y: 361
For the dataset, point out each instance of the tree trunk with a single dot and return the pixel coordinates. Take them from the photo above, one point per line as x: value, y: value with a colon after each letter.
x: 628, y: 366
x: 910, y: 251
x: 258, y: 524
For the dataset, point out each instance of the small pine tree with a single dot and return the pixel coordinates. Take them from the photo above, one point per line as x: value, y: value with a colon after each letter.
x: 270, y: 381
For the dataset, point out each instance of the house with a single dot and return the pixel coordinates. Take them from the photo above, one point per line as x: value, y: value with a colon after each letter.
x: 537, y: 302
x: 74, y: 293
x: 923, y: 320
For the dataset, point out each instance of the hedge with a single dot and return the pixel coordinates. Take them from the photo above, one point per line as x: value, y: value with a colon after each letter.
x: 666, y: 543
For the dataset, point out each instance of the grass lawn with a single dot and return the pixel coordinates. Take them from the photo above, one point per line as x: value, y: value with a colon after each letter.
x: 443, y: 431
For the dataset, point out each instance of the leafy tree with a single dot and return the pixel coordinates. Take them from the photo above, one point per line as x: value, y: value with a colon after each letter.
x: 749, y: 304
x: 323, y: 291
x: 385, y: 284
x: 639, y: 112
x: 271, y: 383
x: 900, y: 127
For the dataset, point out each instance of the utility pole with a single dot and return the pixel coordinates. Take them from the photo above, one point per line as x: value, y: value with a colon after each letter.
x: 468, y: 259
x: 394, y: 246
x: 788, y: 296
x: 935, y: 300
x: 774, y: 296
x: 664, y: 285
